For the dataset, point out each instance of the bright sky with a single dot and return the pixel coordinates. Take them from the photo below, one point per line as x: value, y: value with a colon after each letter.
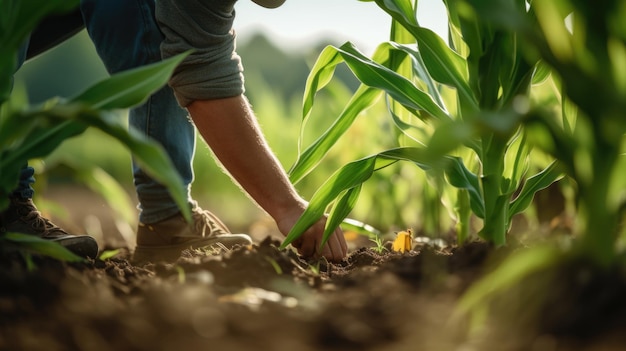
x: 301, y: 22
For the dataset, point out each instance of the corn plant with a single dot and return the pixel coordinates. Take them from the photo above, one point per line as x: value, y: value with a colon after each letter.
x: 584, y: 43
x: 459, y: 106
x: 28, y: 132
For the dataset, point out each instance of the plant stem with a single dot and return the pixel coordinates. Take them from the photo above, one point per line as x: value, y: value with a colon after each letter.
x: 496, y: 205
x: 600, y: 217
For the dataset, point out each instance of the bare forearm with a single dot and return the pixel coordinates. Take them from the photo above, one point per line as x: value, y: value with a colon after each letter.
x: 231, y: 131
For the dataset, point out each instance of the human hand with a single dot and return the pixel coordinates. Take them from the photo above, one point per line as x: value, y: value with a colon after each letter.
x: 308, y: 244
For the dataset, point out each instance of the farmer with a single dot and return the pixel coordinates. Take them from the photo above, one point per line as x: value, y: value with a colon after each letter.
x: 209, y: 85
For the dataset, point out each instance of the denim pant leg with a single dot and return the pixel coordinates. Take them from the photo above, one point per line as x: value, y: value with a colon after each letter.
x: 126, y: 35
x: 27, y: 174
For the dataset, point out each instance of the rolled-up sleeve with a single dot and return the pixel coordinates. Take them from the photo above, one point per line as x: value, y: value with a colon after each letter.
x: 213, y: 70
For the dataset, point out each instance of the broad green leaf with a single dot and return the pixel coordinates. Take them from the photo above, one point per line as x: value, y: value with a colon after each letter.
x: 542, y: 73
x: 340, y: 211
x: 444, y: 65
x: 501, y: 12
x: 419, y: 68
x: 516, y: 163
x: 18, y: 18
x: 459, y: 176
x: 39, y: 143
x: 539, y: 181
x: 41, y: 246
x: 151, y: 157
x: 348, y: 177
x: 129, y: 88
x: 362, y: 99
x: 407, y: 128
x: 320, y: 75
x: 398, y: 87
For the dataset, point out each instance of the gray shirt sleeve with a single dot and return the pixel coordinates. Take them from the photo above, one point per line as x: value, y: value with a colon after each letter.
x: 213, y: 70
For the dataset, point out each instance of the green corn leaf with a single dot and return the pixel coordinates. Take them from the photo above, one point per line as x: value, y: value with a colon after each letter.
x: 516, y: 163
x: 41, y: 246
x: 150, y: 155
x: 444, y: 65
x: 420, y: 69
x: 129, y: 88
x: 539, y: 181
x: 542, y: 73
x: 320, y: 75
x: 460, y: 177
x: 501, y: 12
x: 18, y: 18
x: 398, y: 87
x: 348, y: 177
x: 362, y: 99
x: 340, y: 211
x: 363, y: 67
x: 39, y: 143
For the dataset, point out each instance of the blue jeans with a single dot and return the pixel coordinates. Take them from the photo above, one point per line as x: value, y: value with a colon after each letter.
x: 27, y: 174
x: 126, y: 36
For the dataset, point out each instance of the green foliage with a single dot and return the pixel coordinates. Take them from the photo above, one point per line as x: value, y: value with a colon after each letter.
x: 459, y: 109
x: 584, y: 44
x: 582, y: 126
x: 108, y: 254
x: 28, y: 132
x: 34, y: 244
x: 17, y: 20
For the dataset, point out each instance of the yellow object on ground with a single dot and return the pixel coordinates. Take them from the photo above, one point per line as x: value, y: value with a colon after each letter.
x: 403, y: 242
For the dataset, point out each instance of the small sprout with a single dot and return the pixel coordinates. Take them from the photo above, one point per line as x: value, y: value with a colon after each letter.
x: 380, y: 246
x: 108, y: 254
x: 403, y: 242
x: 275, y: 265
x: 181, y: 274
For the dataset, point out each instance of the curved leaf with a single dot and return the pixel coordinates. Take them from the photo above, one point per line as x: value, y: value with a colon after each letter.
x: 340, y: 211
x: 444, y: 65
x: 398, y: 87
x: 360, y: 101
x: 41, y: 246
x: 459, y: 176
x: 349, y: 176
x: 129, y: 88
x: 538, y: 182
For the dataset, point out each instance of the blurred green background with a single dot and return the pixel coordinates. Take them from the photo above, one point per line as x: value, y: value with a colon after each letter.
x: 86, y: 185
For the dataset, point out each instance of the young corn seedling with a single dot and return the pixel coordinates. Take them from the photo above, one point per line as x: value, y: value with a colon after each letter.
x: 458, y: 105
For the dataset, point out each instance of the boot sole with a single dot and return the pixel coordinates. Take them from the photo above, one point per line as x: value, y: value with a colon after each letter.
x: 81, y: 245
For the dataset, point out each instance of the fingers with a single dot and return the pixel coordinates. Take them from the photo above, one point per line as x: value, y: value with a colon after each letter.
x: 334, y: 250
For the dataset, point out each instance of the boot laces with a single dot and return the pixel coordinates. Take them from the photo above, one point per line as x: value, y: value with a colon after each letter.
x: 204, y: 220
x: 29, y: 214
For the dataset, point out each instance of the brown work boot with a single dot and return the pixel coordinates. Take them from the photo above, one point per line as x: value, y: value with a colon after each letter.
x: 165, y: 240
x: 22, y: 217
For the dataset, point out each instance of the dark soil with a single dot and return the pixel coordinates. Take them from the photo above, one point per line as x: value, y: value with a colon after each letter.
x: 263, y: 298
